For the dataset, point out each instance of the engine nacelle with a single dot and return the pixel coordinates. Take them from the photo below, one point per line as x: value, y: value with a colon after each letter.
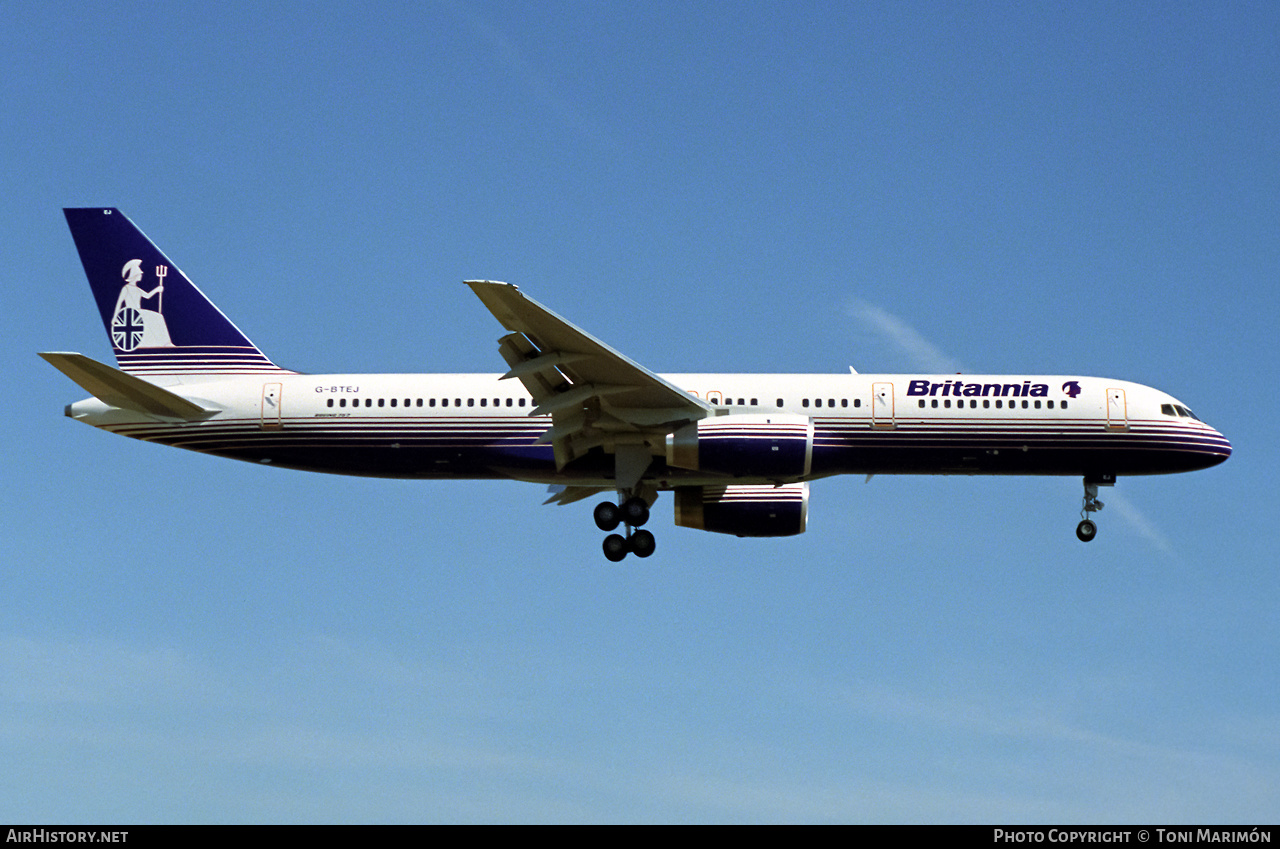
x: 748, y: 445
x: 745, y: 511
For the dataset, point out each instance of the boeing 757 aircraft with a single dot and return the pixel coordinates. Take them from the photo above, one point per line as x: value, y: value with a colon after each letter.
x: 737, y: 451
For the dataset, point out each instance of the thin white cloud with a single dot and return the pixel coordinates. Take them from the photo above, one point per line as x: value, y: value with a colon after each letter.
x: 1139, y: 522
x: 504, y: 50
x: 54, y: 672
x: 920, y: 351
x: 1135, y: 771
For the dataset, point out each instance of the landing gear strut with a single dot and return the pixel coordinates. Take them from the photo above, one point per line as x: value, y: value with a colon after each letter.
x: 1087, y: 530
x: 634, y: 511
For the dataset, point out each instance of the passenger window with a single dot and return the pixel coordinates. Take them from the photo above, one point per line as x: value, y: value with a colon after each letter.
x: 779, y: 402
x: 342, y: 402
x: 393, y: 402
x: 922, y: 403
x: 804, y: 403
x: 382, y: 402
x: 368, y: 402
x: 471, y: 402
x: 484, y: 402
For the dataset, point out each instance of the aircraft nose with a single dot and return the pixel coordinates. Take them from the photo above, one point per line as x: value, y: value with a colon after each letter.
x: 1221, y: 447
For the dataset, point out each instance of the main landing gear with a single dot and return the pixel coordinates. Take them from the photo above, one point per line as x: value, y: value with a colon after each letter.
x: 633, y: 512
x: 1087, y: 530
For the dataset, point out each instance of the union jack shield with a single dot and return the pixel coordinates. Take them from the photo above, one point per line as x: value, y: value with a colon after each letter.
x: 127, y: 328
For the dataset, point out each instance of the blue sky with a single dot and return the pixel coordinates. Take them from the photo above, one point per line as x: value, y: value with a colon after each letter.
x: 1022, y: 187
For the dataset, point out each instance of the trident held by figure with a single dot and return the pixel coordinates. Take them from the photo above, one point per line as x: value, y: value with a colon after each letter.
x: 161, y: 272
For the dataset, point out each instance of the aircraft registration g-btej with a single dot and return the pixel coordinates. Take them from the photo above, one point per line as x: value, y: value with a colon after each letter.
x: 737, y: 451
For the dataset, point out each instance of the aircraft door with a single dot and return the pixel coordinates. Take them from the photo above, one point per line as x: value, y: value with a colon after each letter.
x: 271, y: 393
x: 1117, y: 410
x: 882, y: 405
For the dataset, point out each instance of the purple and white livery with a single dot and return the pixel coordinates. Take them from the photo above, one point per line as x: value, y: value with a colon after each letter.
x: 737, y: 451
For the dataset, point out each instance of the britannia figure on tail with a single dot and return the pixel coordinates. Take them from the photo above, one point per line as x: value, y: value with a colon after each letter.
x: 133, y: 326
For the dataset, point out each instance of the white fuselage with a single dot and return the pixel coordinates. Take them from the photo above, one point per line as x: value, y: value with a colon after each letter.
x: 479, y: 426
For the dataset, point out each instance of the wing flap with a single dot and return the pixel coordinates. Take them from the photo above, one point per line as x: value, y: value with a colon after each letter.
x: 563, y: 495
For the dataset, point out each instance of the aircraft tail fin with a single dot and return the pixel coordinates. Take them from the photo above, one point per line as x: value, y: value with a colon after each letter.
x: 118, y: 389
x: 157, y: 320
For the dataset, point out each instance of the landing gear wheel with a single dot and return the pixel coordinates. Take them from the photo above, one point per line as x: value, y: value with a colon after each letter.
x: 632, y: 512
x: 615, y: 547
x: 643, y: 543
x: 635, y: 512
x: 1086, y: 530
x: 607, y: 516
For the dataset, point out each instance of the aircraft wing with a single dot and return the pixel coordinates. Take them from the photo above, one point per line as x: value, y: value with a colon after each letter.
x: 596, y: 397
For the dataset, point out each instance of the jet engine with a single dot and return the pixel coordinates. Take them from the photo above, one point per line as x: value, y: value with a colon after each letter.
x: 745, y: 511
x: 749, y: 445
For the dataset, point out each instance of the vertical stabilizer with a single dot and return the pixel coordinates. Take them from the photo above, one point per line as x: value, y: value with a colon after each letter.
x: 157, y: 320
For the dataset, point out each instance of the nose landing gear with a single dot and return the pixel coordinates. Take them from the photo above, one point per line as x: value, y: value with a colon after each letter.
x: 1087, y: 529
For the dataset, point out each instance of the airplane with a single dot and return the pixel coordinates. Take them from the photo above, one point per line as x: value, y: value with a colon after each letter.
x: 737, y: 451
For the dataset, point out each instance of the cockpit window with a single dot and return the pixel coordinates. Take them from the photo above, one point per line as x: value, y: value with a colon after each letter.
x: 1178, y: 410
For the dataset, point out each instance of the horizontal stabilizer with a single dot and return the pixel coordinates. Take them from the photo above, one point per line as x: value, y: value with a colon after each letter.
x: 119, y: 389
